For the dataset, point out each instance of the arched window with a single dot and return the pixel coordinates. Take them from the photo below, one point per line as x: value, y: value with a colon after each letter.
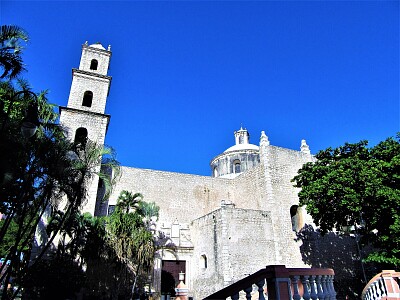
x: 87, y: 99
x: 296, y: 216
x: 236, y: 166
x: 93, y: 64
x: 215, y: 172
x: 81, y: 136
x: 203, y: 261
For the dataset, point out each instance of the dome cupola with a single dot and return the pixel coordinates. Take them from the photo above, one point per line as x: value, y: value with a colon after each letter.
x: 236, y: 159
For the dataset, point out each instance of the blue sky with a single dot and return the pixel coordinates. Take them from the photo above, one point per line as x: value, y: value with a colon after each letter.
x: 187, y: 74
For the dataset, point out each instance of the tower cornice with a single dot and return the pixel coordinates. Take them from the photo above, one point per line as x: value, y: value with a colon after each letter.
x: 60, y: 108
x: 87, y: 47
x: 74, y: 70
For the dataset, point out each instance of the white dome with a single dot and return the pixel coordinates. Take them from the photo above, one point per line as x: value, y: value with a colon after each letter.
x: 240, y: 147
x: 98, y: 46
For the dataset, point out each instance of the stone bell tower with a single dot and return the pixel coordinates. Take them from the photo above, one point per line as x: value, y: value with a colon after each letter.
x: 84, y: 116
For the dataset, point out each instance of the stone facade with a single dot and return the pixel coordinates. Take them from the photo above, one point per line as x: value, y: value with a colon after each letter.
x: 237, y: 225
x: 223, y: 227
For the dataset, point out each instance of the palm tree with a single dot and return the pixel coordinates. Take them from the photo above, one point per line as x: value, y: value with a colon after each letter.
x: 51, y: 179
x: 11, y: 49
x: 129, y: 234
x: 128, y: 201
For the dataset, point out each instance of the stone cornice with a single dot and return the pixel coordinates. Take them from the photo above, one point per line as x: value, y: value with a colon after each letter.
x: 83, y: 111
x: 91, y: 74
x: 229, y: 153
x: 60, y: 108
x: 96, y: 49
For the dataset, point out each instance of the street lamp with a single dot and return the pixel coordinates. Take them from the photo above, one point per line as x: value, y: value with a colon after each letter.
x: 30, y: 122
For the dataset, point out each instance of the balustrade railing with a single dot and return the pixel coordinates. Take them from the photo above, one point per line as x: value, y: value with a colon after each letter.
x: 383, y: 286
x: 281, y: 283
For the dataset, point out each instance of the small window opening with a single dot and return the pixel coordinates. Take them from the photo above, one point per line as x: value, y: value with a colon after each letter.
x: 93, y: 64
x: 296, y: 218
x: 203, y: 261
x: 241, y: 139
x: 236, y: 165
x: 87, y: 99
x: 81, y: 136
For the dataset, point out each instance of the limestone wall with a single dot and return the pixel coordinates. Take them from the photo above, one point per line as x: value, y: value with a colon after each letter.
x: 97, y: 84
x: 180, y: 196
x: 237, y: 242
x: 95, y: 124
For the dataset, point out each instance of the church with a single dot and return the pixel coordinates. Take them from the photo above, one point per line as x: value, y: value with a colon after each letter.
x: 218, y: 228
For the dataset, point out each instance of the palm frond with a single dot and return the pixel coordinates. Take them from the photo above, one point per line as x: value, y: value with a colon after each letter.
x: 12, y: 32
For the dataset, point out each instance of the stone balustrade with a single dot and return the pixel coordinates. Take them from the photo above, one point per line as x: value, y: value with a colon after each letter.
x: 281, y: 283
x: 383, y: 286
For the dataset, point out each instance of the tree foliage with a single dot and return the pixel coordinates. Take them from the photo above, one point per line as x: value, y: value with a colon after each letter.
x: 359, y: 186
x: 130, y: 234
x: 116, y: 251
x: 11, y: 49
x: 43, y: 185
x: 39, y: 176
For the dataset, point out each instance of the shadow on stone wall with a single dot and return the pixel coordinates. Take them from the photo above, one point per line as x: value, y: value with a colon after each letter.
x: 339, y: 252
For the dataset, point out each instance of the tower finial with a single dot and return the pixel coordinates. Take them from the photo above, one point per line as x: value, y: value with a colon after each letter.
x: 304, y: 147
x: 264, y: 138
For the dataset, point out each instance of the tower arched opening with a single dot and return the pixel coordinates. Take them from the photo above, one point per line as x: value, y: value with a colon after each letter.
x: 93, y: 64
x: 87, y: 99
x: 81, y: 135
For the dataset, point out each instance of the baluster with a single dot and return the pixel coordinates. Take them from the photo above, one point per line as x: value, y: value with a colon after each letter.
x: 314, y: 295
x: 320, y: 293
x: 235, y: 296
x: 331, y: 287
x: 370, y: 294
x: 375, y: 291
x: 248, y: 292
x: 379, y: 288
x: 366, y: 295
x: 306, y: 292
x: 260, y: 286
x: 383, y: 286
x: 295, y: 281
x: 325, y: 287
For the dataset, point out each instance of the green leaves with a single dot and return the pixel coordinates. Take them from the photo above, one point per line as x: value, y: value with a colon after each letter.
x: 10, y: 50
x: 128, y: 231
x: 354, y: 185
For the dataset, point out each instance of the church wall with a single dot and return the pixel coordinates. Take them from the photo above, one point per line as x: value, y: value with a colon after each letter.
x: 250, y: 189
x: 180, y: 196
x: 251, y: 192
x: 226, y: 237
x: 283, y: 166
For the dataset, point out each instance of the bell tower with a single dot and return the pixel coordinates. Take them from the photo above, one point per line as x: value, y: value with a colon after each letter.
x: 84, y: 116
